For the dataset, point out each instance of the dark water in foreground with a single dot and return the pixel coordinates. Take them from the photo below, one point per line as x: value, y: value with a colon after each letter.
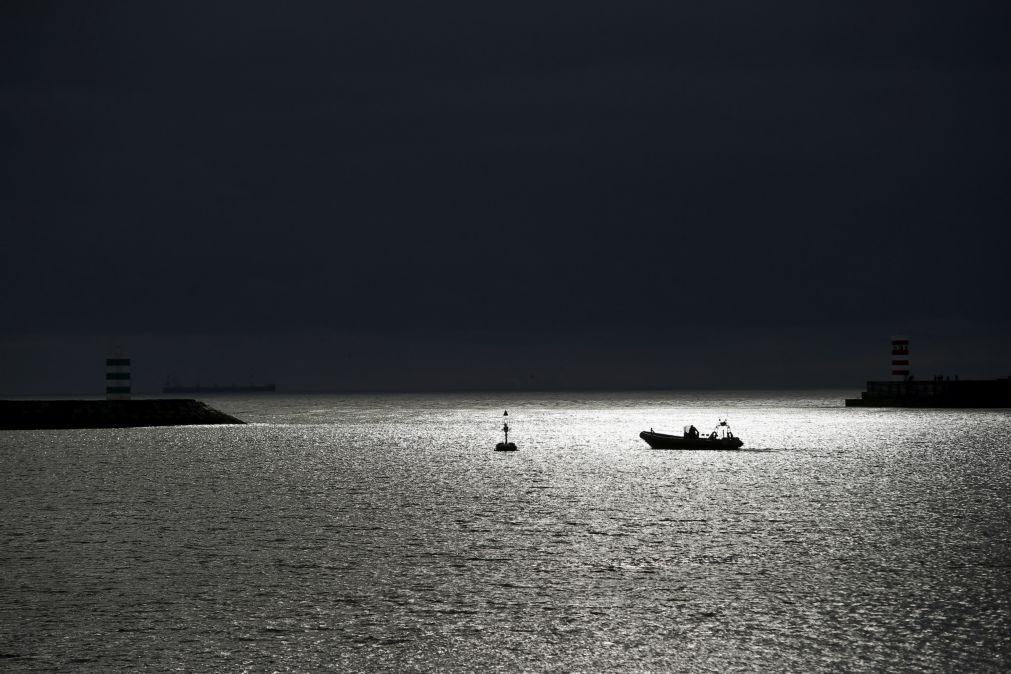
x: 371, y: 532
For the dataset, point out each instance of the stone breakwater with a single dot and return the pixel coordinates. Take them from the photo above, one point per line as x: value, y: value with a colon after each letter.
x: 45, y: 414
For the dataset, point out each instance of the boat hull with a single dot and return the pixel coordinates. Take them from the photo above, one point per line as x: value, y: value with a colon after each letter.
x: 665, y: 441
x: 505, y: 447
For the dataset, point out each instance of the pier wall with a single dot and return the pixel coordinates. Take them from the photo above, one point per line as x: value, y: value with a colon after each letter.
x: 935, y: 393
x: 43, y: 414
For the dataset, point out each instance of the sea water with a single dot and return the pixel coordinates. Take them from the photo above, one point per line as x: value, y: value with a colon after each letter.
x: 383, y: 533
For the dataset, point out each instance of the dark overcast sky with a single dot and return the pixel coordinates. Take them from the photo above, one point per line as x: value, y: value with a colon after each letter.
x: 534, y: 194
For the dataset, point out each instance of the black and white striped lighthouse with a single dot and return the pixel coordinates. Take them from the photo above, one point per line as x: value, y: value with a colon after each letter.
x: 900, y: 358
x: 117, y: 378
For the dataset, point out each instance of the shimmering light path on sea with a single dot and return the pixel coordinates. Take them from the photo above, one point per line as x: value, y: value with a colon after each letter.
x: 381, y: 532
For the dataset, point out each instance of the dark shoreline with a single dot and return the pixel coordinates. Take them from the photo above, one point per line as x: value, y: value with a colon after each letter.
x: 57, y: 414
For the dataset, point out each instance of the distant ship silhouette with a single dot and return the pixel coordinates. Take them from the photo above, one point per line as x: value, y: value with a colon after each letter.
x: 171, y: 387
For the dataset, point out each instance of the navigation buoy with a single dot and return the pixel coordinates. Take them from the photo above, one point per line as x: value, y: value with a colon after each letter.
x: 505, y: 446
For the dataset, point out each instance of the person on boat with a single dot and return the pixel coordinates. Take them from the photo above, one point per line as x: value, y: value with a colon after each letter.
x: 693, y: 432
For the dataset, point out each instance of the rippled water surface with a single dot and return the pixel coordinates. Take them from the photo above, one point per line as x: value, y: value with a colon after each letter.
x: 381, y: 532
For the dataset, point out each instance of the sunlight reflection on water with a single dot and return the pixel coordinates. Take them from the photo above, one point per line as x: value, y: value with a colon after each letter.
x: 367, y: 532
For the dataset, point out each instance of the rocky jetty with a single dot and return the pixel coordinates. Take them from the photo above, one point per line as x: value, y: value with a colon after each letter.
x: 43, y: 414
